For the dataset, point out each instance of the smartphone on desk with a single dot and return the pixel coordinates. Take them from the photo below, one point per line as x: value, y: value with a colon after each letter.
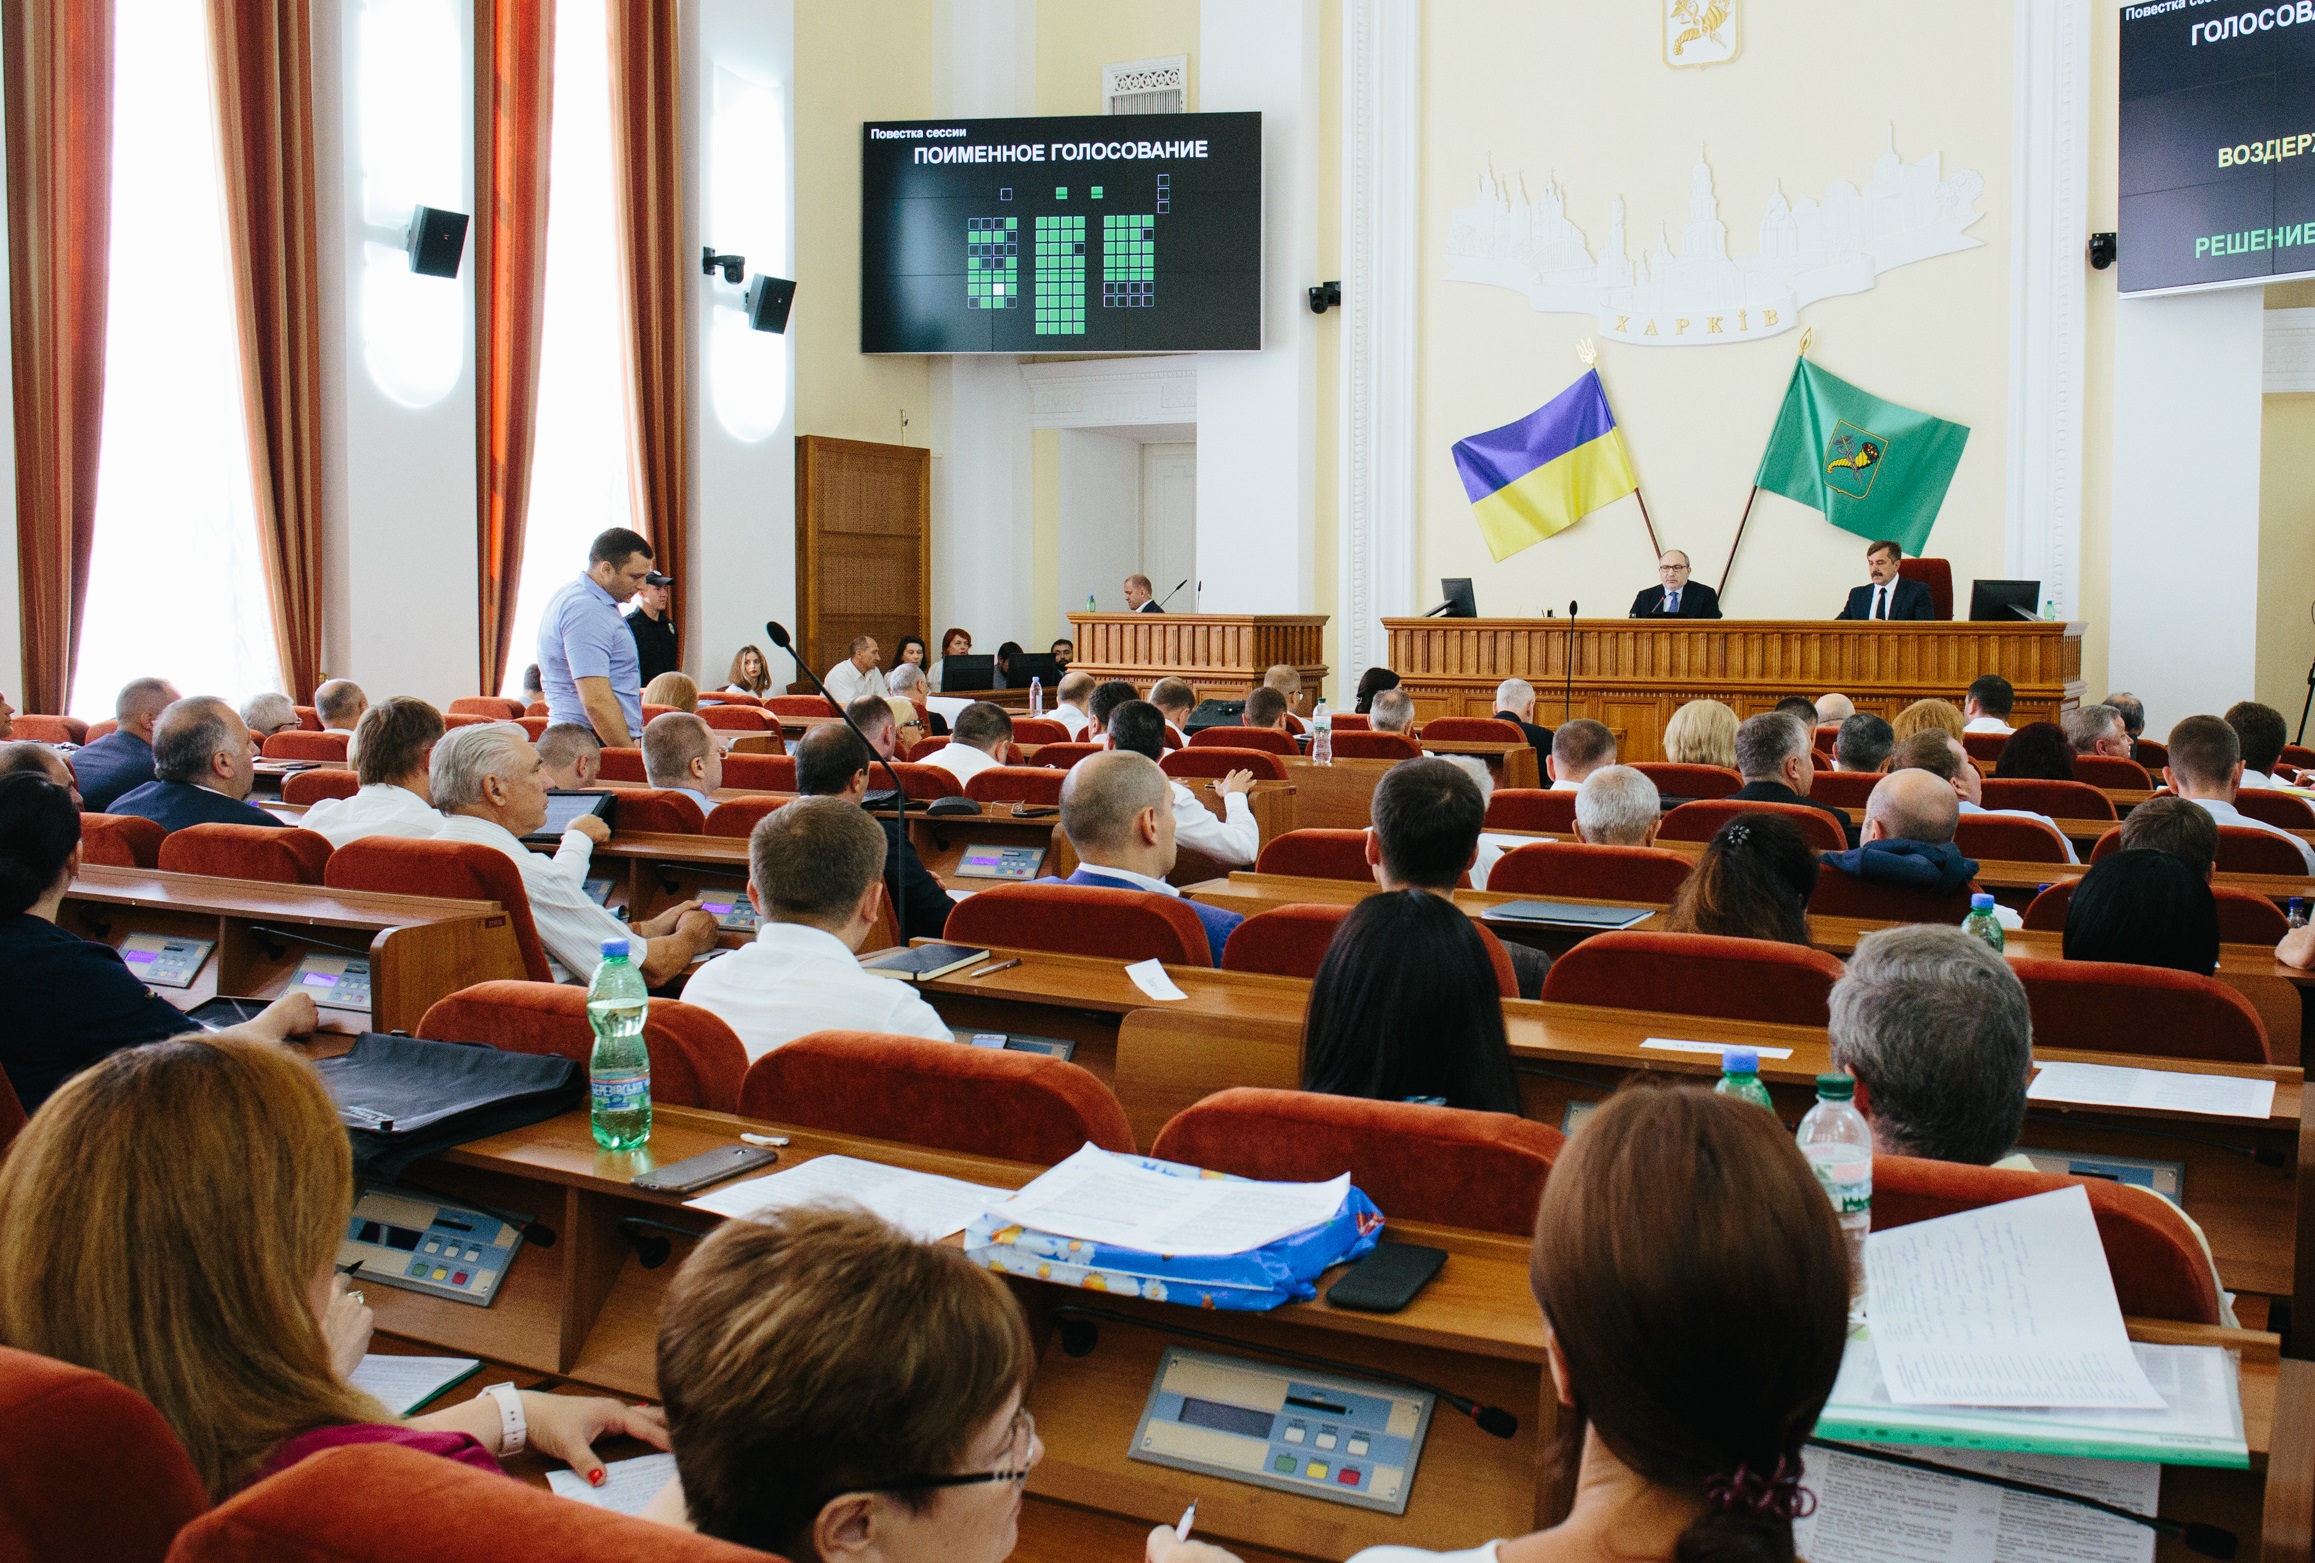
x: 1387, y: 1279
x: 697, y: 1172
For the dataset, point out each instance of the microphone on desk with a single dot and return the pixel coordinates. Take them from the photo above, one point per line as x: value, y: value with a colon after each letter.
x: 1567, y: 700
x: 780, y: 638
x: 1169, y: 596
x: 1079, y: 1335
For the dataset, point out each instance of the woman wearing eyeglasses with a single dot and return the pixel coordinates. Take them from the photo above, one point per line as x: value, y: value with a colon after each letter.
x: 837, y: 1390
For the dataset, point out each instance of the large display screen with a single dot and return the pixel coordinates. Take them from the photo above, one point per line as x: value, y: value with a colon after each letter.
x: 2218, y: 143
x: 1115, y: 233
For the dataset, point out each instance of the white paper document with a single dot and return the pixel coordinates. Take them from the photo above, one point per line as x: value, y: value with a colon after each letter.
x: 2007, y: 1305
x: 1672, y: 1045
x: 2175, y: 1090
x: 1100, y: 1198
x: 1492, y: 846
x: 628, y: 1485
x: 403, y: 1384
x: 926, y: 1207
x: 1870, y: 1512
x: 1151, y: 978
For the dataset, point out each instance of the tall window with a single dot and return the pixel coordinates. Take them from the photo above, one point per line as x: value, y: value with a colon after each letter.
x: 176, y: 585
x: 579, y: 456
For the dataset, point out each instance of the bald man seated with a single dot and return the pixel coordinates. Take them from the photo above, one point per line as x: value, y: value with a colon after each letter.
x: 679, y: 755
x: 1907, y: 839
x: 340, y: 704
x: 1118, y: 812
x: 203, y: 767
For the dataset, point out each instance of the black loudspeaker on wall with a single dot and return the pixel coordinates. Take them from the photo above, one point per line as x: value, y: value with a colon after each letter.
x: 436, y: 241
x: 768, y: 301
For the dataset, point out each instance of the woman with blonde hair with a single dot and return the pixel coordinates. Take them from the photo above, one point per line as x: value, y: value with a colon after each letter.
x: 1923, y: 715
x: 750, y: 674
x: 171, y: 1219
x: 672, y: 689
x: 1702, y: 732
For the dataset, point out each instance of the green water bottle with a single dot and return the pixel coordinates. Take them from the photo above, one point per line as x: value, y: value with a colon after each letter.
x: 1740, y: 1077
x: 619, y: 1070
x: 1981, y: 923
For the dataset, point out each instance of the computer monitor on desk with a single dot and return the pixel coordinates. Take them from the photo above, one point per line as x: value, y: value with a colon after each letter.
x: 1460, y: 603
x: 2003, y: 600
x: 964, y: 675
x: 1027, y: 665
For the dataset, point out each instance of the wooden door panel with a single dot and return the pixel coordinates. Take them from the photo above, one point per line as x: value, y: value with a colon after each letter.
x: 863, y: 545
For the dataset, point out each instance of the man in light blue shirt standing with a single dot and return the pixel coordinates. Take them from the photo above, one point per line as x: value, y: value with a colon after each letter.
x: 587, y: 659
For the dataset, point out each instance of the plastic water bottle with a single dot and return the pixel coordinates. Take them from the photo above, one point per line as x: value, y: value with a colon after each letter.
x: 1740, y: 1077
x: 1838, y: 1143
x: 2296, y: 914
x: 619, y: 1070
x: 2049, y: 608
x: 1036, y: 697
x: 1981, y: 923
x: 1090, y: 606
x: 1322, y: 736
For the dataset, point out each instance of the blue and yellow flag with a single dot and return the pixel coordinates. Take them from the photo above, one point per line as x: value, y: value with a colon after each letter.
x: 1548, y: 471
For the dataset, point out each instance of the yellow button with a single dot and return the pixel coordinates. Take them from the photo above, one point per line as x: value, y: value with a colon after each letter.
x: 439, y: 1272
x: 1317, y: 1472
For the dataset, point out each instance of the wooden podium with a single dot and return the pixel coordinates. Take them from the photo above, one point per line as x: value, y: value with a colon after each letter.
x: 1633, y: 674
x: 1221, y: 655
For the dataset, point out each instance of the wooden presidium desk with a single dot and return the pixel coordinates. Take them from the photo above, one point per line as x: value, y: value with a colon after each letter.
x: 1634, y: 673
x: 1221, y: 655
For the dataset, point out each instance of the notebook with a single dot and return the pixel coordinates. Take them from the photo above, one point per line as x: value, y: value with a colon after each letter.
x: 1566, y: 914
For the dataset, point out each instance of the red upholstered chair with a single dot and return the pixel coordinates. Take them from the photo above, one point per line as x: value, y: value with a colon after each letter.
x: 1701, y: 821
x: 1469, y: 730
x: 1124, y: 925
x: 534, y: 726
x: 1267, y: 739
x: 2105, y: 770
x: 1016, y: 784
x: 121, y: 840
x: 1985, y: 749
x: 356, y: 1505
x: 622, y: 765
x: 98, y: 730
x: 1937, y: 575
x: 1193, y: 764
x: 800, y: 705
x: 1989, y: 837
x: 456, y: 870
x: 455, y: 719
x: 49, y: 729
x: 2108, y: 1007
x: 1040, y: 730
x: 2298, y: 756
x: 297, y: 744
x: 304, y: 789
x: 739, y: 816
x: 1674, y: 780
x: 1291, y: 941
x: 87, y: 1467
x: 660, y: 810
x: 2260, y: 803
x: 2243, y: 850
x: 738, y: 719
x: 1842, y: 894
x: 924, y: 783
x: 972, y: 1100
x: 760, y: 772
x: 495, y: 707
x: 279, y: 857
x: 731, y: 697
x: 1317, y: 854
x: 1350, y: 722
x: 652, y: 712
x: 2154, y: 756
x: 1697, y: 974
x: 1376, y: 746
x: 921, y: 747
x: 2057, y: 799
x: 535, y: 708
x: 1530, y: 808
x: 1060, y: 757
x: 1571, y: 870
x: 2245, y: 916
x: 695, y: 1059
x: 1440, y: 1164
x: 1826, y: 736
x: 1844, y: 789
x: 308, y: 719
x: 2160, y: 1271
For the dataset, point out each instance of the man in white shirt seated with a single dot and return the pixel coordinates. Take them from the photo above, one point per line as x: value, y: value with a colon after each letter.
x: 679, y: 755
x: 816, y: 877
x: 492, y: 790
x: 1140, y: 728
x: 2261, y: 734
x: 572, y: 755
x: 2097, y: 730
x: 1986, y: 707
x: 2206, y: 766
x: 1393, y: 711
x: 1073, y: 697
x: 393, y: 748
x: 858, y: 675
x: 1617, y: 806
x: 1578, y: 748
x: 1940, y: 754
x: 1177, y: 700
x: 976, y: 742
x: 340, y: 704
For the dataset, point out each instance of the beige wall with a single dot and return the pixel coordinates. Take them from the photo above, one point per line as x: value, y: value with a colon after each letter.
x: 2095, y: 596
x: 1076, y: 38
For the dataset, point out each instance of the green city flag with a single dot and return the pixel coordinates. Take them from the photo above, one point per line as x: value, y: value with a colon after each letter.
x: 1874, y: 468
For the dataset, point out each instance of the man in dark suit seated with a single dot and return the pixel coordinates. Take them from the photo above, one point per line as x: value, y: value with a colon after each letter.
x: 1515, y: 703
x: 1118, y: 813
x: 1772, y: 755
x: 202, y: 769
x: 1677, y: 597
x: 1888, y: 595
x: 831, y: 762
x: 123, y: 758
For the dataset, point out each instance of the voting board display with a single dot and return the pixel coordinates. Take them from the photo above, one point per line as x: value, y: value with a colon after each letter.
x: 1110, y: 233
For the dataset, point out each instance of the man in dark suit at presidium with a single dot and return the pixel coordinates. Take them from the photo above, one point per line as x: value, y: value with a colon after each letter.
x: 1678, y: 597
x: 1888, y: 595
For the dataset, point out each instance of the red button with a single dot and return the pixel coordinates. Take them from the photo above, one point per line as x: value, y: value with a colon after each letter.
x: 459, y: 1279
x: 1349, y: 1478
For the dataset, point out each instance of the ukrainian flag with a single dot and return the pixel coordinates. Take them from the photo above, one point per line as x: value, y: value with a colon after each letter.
x: 1548, y: 471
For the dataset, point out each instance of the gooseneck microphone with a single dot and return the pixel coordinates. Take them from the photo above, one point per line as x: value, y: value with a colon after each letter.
x: 1567, y: 699
x: 779, y: 636
x: 1169, y: 596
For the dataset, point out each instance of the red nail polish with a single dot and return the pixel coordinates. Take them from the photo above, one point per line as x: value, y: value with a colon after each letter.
x: 595, y: 1478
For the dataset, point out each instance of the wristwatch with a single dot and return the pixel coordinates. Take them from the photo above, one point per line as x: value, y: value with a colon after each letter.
x: 513, y: 1427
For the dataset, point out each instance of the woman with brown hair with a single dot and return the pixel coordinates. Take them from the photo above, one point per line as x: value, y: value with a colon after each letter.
x: 1753, y: 881
x: 1923, y: 715
x: 750, y: 674
x: 837, y: 1389
x: 2037, y: 751
x: 953, y: 643
x: 1695, y: 1296
x: 171, y: 1219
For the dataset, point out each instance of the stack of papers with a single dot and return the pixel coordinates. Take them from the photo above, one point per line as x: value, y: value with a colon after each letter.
x: 1096, y: 1197
x: 627, y: 1487
x: 403, y: 1384
x: 2174, y: 1090
x: 926, y: 1207
x: 1868, y: 1512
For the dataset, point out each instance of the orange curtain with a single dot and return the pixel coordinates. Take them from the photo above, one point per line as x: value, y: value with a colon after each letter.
x: 647, y: 192
x: 58, y: 55
x: 514, y: 51
x: 261, y: 52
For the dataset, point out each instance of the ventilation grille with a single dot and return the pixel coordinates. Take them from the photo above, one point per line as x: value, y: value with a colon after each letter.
x: 1147, y: 86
